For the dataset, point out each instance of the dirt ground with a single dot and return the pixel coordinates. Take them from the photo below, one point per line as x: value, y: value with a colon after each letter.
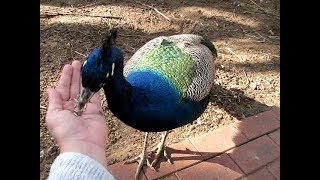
x: 246, y: 34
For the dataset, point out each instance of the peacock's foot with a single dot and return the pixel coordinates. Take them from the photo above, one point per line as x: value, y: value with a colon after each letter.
x: 160, y: 150
x: 142, y: 159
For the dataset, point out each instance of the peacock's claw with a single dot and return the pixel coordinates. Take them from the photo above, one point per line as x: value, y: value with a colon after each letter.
x: 160, y: 151
x: 135, y: 159
x: 142, y: 159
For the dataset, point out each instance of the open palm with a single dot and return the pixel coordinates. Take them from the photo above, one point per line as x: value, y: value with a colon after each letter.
x: 85, y: 134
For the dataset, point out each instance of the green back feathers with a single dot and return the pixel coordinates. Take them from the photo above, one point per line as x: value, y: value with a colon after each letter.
x: 185, y: 60
x: 170, y: 62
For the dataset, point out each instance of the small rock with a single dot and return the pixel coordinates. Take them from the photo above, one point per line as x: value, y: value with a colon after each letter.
x: 41, y: 154
x: 192, y: 128
x: 271, y: 32
x: 199, y: 122
x: 49, y: 150
x: 269, y: 83
x: 253, y: 85
x: 217, y: 111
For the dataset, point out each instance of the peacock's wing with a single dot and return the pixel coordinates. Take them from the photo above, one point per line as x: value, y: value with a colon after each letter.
x: 186, y: 61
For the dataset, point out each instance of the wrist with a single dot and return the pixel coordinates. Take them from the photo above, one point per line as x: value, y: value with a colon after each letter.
x: 87, y: 148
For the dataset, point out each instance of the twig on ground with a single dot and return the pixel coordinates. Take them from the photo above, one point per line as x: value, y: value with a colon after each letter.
x: 245, y: 74
x: 131, y: 48
x: 131, y: 35
x: 236, y: 55
x: 43, y: 107
x: 153, y: 9
x: 264, y: 10
x: 80, y: 54
x: 75, y: 14
x: 264, y: 38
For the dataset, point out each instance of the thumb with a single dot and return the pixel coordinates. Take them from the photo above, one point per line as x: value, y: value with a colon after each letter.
x: 55, y: 100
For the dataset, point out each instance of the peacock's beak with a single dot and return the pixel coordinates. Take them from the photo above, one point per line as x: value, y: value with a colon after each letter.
x: 82, y: 99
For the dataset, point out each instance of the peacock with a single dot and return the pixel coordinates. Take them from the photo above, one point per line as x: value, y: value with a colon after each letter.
x: 164, y: 85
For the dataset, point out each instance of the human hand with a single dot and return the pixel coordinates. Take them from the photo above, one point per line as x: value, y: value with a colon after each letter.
x: 84, y: 134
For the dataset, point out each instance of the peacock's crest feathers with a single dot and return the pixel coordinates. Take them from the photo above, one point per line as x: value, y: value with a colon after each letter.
x: 108, y: 43
x: 186, y: 60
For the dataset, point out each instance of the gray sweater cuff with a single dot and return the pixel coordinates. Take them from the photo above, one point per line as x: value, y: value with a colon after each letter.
x: 71, y: 166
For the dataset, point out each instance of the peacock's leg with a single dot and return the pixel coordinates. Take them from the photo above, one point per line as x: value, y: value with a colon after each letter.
x: 141, y: 159
x: 161, y: 150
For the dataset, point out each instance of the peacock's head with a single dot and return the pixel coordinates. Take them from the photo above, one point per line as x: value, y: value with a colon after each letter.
x: 97, y: 69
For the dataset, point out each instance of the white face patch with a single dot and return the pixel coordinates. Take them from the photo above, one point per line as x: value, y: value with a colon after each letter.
x: 107, y: 75
x: 84, y: 63
x: 112, y: 69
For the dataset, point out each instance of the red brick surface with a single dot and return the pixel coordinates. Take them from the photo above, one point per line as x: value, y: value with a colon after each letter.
x: 218, y: 141
x: 276, y: 111
x: 124, y: 171
x: 274, y: 168
x: 221, y: 167
x: 255, y: 154
x: 261, y: 174
x: 257, y: 125
x: 258, y: 158
x: 275, y: 136
x: 169, y: 177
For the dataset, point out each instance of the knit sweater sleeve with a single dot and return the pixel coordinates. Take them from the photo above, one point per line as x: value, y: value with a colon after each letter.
x: 72, y: 166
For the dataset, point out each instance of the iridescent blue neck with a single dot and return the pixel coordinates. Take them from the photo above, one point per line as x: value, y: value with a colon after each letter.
x: 117, y: 83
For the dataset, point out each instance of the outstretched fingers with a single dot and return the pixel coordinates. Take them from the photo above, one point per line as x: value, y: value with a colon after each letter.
x: 55, y: 100
x: 64, y: 83
x: 75, y: 80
